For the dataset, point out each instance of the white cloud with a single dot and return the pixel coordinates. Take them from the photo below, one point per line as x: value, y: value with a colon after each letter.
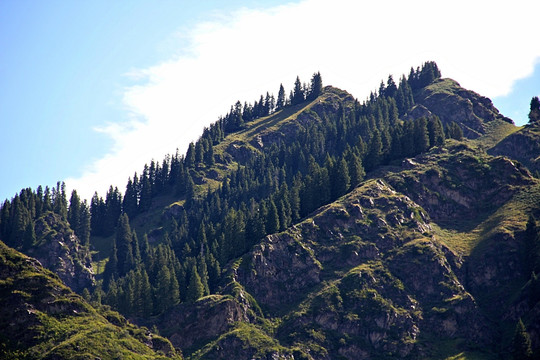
x: 486, y: 46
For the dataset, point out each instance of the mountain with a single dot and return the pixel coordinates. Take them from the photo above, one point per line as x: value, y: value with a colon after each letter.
x: 317, y: 227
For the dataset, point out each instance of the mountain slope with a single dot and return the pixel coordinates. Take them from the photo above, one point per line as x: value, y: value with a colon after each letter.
x: 40, y: 318
x: 523, y: 146
x: 327, y: 228
x: 408, y: 264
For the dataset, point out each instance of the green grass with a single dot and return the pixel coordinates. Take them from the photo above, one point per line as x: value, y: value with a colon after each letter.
x: 454, y: 349
x: 54, y: 322
x: 496, y: 130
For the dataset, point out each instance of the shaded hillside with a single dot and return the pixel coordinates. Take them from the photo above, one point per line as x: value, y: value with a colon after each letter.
x: 523, y: 146
x: 452, y: 103
x: 40, y: 318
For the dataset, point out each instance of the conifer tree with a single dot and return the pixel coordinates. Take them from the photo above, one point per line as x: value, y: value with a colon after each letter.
x: 521, y: 343
x: 124, y: 247
x: 421, y: 135
x: 356, y: 170
x: 209, y: 155
x: 391, y: 88
x: 436, y: 131
x: 111, y: 268
x: 29, y: 236
x: 534, y: 113
x: 59, y: 200
x: 280, y: 102
x: 145, y: 200
x: 83, y: 231
x: 298, y: 93
x: 375, y: 150
x: 195, y: 288
x: 199, y: 152
x: 174, y: 289
x: 74, y: 211
x: 111, y: 297
x: 163, y: 288
x: 316, y: 86
x: 341, y: 180
x: 130, y: 203
x: 146, y: 294
x: 189, y: 161
x: 203, y: 274
x: 272, y: 220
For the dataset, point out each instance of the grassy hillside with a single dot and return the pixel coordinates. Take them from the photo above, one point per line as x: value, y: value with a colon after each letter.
x: 41, y: 318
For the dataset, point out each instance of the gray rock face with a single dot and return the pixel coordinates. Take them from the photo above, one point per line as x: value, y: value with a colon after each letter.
x: 60, y: 251
x: 450, y: 102
x: 523, y: 145
x: 188, y: 324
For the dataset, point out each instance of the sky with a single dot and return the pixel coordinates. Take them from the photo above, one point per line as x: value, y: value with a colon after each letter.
x: 90, y: 91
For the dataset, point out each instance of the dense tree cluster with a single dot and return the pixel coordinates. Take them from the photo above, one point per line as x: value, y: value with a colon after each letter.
x: 266, y: 193
x: 18, y: 216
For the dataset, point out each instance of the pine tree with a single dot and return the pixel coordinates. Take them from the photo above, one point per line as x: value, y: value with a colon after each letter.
x: 521, y: 343
x: 174, y: 289
x: 199, y: 152
x: 280, y: 102
x: 203, y: 274
x: 298, y: 93
x: 74, y: 211
x: 83, y: 232
x: 436, y: 131
x: 375, y: 151
x: 316, y: 86
x: 534, y: 113
x: 195, y: 288
x: 272, y: 220
x: 130, y: 203
x: 209, y: 155
x: 111, y: 268
x: 59, y: 200
x: 163, y: 288
x: 123, y: 242
x: 421, y: 135
x: 391, y: 88
x: 29, y: 238
x: 146, y: 294
x: 341, y: 180
x: 356, y: 170
x: 189, y: 161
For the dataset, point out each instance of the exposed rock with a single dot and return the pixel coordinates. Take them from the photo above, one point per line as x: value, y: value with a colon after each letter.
x: 450, y: 102
x: 60, y: 251
x: 523, y: 145
x: 187, y: 324
x: 272, y: 267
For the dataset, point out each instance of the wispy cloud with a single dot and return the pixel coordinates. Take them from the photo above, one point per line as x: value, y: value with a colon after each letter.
x: 486, y: 46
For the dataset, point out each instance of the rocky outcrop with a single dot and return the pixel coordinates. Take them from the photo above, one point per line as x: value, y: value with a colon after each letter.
x: 206, y: 319
x: 450, y: 102
x: 59, y: 250
x: 270, y: 272
x: 460, y: 182
x: 523, y: 145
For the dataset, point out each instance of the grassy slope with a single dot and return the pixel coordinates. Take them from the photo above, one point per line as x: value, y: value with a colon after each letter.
x: 54, y: 322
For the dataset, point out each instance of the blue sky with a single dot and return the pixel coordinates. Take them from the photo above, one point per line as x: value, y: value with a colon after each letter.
x: 91, y: 91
